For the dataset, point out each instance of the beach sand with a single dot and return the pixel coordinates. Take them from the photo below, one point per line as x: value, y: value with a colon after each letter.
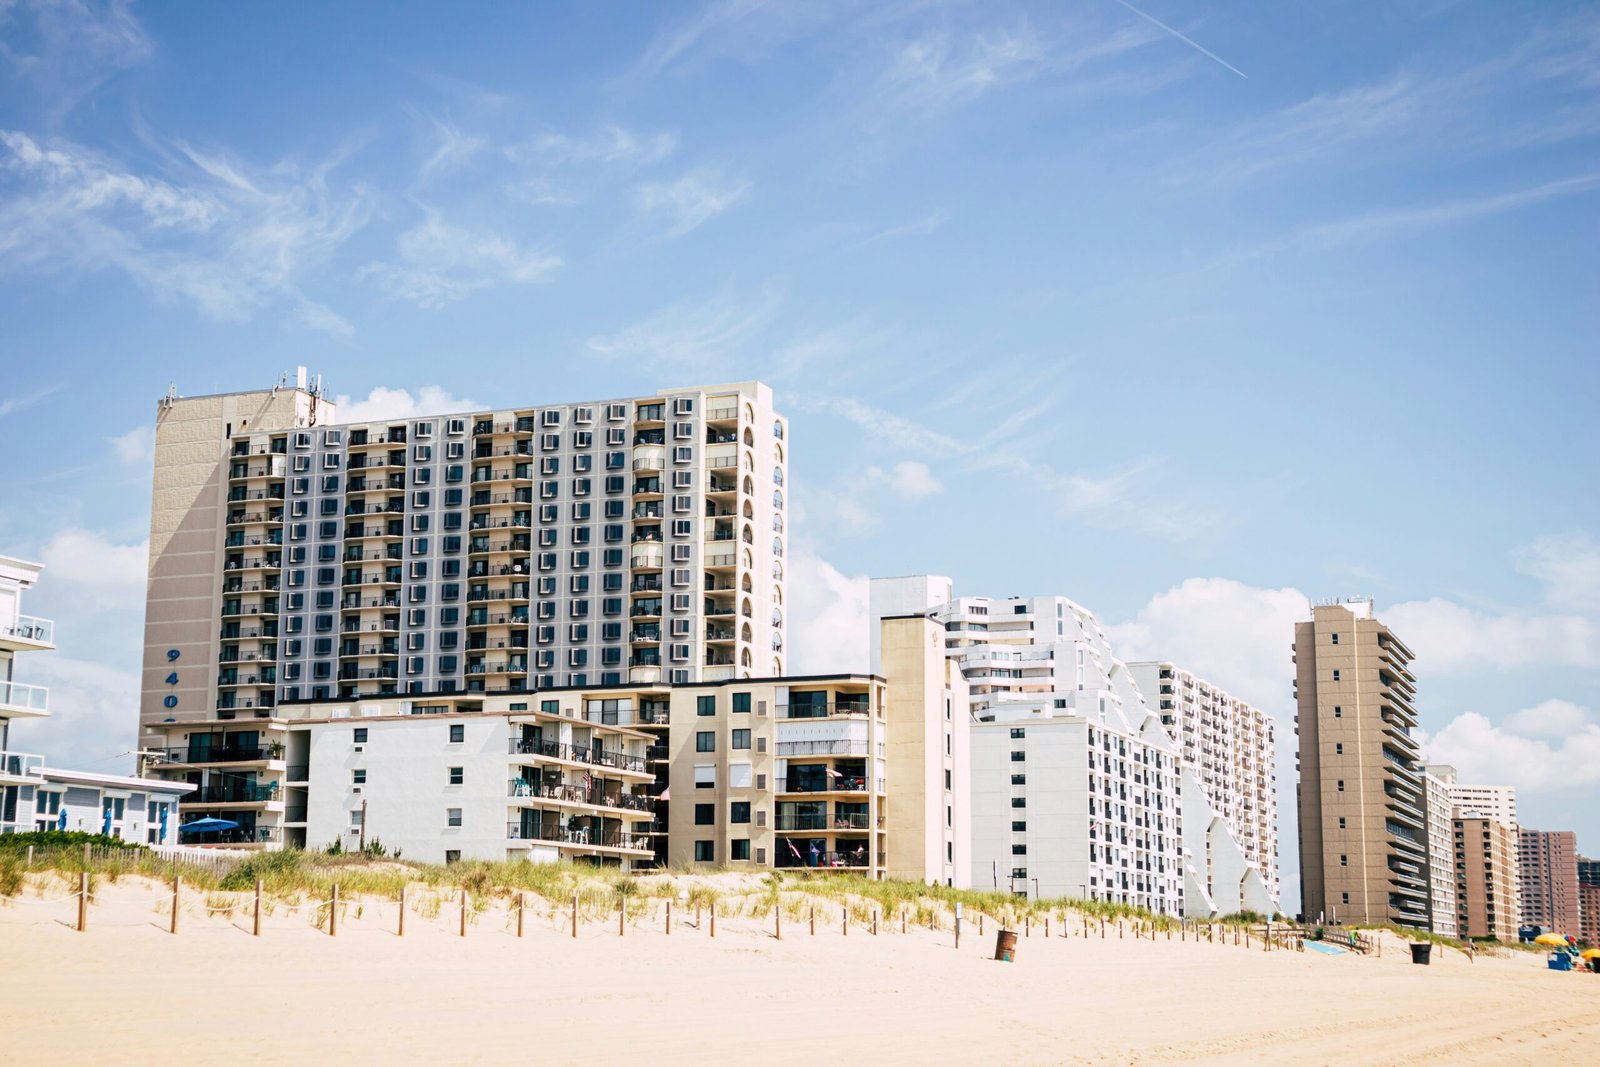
x: 129, y: 992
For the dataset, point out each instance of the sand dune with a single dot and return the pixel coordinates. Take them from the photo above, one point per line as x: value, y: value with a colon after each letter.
x: 129, y: 992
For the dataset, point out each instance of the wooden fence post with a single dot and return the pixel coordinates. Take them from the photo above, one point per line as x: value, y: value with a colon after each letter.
x: 713, y: 918
x: 777, y: 920
x: 874, y: 922
x: 958, y: 929
x: 574, y: 915
x: 463, y: 912
x: 257, y: 930
x: 522, y: 905
x: 669, y: 916
x: 176, y: 879
x: 333, y: 912
x: 844, y: 927
x: 622, y: 913
x: 401, y: 932
x: 83, y: 897
x: 902, y: 920
x: 813, y: 920
x: 1027, y: 926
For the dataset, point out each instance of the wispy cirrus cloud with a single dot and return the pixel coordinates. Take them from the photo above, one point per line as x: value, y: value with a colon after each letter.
x: 437, y: 264
x: 690, y: 201
x: 941, y: 68
x: 61, y: 51
x: 216, y: 231
x: 452, y: 147
x: 609, y: 144
x: 692, y: 337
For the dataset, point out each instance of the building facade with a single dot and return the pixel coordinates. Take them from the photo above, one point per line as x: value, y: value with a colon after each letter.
x: 1362, y: 814
x: 1499, y: 802
x: 741, y: 773
x: 1230, y: 747
x: 1547, y: 879
x: 1486, y: 878
x: 36, y: 797
x: 1589, y: 913
x: 611, y: 542
x: 1442, y: 908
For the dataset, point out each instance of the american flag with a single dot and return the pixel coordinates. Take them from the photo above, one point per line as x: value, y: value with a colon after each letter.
x: 586, y: 783
x: 794, y: 850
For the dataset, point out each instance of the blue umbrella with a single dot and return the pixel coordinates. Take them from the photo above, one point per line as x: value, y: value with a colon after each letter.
x: 164, y: 809
x: 207, y: 826
x: 106, y: 827
x: 61, y: 823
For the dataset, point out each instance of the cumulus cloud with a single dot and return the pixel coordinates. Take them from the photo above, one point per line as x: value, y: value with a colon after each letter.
x: 1449, y: 637
x: 1526, y: 751
x: 385, y: 403
x: 438, y: 264
x: 1232, y: 634
x: 690, y: 201
x: 92, y: 559
x: 827, y: 617
x: 138, y: 445
x: 908, y: 480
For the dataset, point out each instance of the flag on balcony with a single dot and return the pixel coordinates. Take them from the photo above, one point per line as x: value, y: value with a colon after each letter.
x: 833, y: 773
x: 586, y: 784
x: 666, y: 794
x: 794, y: 850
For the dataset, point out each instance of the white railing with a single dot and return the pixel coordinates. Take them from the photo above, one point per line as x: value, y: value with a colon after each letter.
x: 29, y: 628
x: 17, y: 695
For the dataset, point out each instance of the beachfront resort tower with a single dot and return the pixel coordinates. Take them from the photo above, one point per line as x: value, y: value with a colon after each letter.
x: 1362, y: 806
x: 1486, y: 877
x: 510, y: 549
x: 1547, y: 879
x: 1442, y: 909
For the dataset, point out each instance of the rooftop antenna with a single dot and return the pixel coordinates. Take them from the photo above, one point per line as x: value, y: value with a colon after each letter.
x: 172, y: 395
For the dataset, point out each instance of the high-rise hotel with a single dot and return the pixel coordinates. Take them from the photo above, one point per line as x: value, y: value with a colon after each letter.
x: 296, y: 558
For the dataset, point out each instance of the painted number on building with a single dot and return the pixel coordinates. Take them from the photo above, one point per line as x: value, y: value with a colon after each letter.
x: 171, y: 700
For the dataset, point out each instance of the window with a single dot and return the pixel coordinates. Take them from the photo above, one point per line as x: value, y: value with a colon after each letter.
x: 358, y: 776
x: 1336, y: 639
x: 458, y: 733
x: 705, y: 775
x: 741, y: 848
x: 1336, y: 676
x: 1019, y: 779
x: 1341, y: 785
x: 706, y: 705
x: 1341, y: 822
x: 705, y: 814
x: 741, y: 739
x: 705, y: 741
x: 355, y: 819
x: 1344, y: 861
x: 457, y: 775
x: 705, y: 851
x: 452, y: 817
x: 360, y: 735
x: 1338, y: 748
x: 1018, y: 757
x: 741, y: 702
x: 1019, y: 826
x: 739, y: 777
x: 739, y: 811
x: 1338, y: 712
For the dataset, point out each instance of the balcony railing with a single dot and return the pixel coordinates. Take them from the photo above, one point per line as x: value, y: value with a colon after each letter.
x: 852, y: 858
x: 845, y: 747
x: 225, y: 754
x: 821, y: 820
x: 577, y: 794
x: 615, y: 839
x: 31, y: 697
x: 231, y: 793
x: 242, y: 836
x: 597, y: 757
x: 18, y: 764
x: 28, y: 628
x: 860, y: 706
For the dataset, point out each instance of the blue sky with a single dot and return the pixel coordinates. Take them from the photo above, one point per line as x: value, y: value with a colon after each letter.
x: 1189, y: 312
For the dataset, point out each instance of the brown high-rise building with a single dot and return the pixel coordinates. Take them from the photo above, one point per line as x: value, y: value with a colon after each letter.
x: 1547, y: 879
x: 1589, y: 914
x: 1486, y: 877
x: 1363, y: 834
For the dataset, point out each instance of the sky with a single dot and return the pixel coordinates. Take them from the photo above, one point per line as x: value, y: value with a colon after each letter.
x: 1193, y: 313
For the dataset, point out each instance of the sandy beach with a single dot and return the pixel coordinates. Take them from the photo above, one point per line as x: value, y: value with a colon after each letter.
x: 128, y: 991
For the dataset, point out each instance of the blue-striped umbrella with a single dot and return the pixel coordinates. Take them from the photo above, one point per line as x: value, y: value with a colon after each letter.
x: 106, y: 826
x: 61, y: 823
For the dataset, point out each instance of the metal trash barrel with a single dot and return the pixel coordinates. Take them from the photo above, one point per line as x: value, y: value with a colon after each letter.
x: 1420, y: 951
x: 1005, y: 945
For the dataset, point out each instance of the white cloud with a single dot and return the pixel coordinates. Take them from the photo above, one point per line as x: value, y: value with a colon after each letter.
x: 74, y: 47
x: 1524, y: 752
x: 1449, y: 637
x: 691, y: 338
x: 1569, y: 567
x: 935, y: 70
x: 909, y: 480
x: 385, y: 403
x: 691, y: 200
x: 827, y: 617
x: 94, y: 713
x: 1553, y: 718
x: 13, y: 404
x: 439, y: 264
x: 136, y: 446
x: 612, y: 144
x: 92, y: 559
x: 1234, y: 635
x: 216, y: 232
x: 452, y: 148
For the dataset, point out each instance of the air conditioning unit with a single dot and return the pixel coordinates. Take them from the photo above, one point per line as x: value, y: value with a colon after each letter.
x: 355, y: 789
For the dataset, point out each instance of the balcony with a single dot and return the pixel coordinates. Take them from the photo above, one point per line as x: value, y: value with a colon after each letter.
x: 826, y: 784
x: 230, y: 793
x: 847, y: 706
x: 17, y: 768
x: 27, y: 633
x: 580, y: 838
x: 842, y: 747
x: 793, y: 821
x: 594, y: 796
x: 224, y: 754
x: 848, y: 859
x: 17, y: 699
x: 582, y: 754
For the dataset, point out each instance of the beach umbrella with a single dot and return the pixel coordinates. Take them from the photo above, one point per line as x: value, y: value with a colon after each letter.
x: 1551, y: 939
x: 207, y: 826
x: 105, y: 827
x: 61, y: 823
x: 1591, y: 953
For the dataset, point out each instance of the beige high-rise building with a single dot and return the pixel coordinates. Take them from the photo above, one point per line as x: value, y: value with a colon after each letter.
x: 294, y: 558
x: 1486, y: 877
x: 1547, y: 879
x: 1442, y: 908
x: 1362, y: 806
x: 1496, y: 801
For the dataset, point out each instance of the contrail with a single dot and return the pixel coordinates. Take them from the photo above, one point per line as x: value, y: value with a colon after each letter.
x: 1197, y: 47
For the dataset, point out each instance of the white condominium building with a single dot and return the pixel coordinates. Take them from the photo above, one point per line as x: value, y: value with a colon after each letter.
x: 36, y: 797
x: 1442, y: 903
x: 1229, y: 746
x: 1497, y: 802
x: 293, y: 558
